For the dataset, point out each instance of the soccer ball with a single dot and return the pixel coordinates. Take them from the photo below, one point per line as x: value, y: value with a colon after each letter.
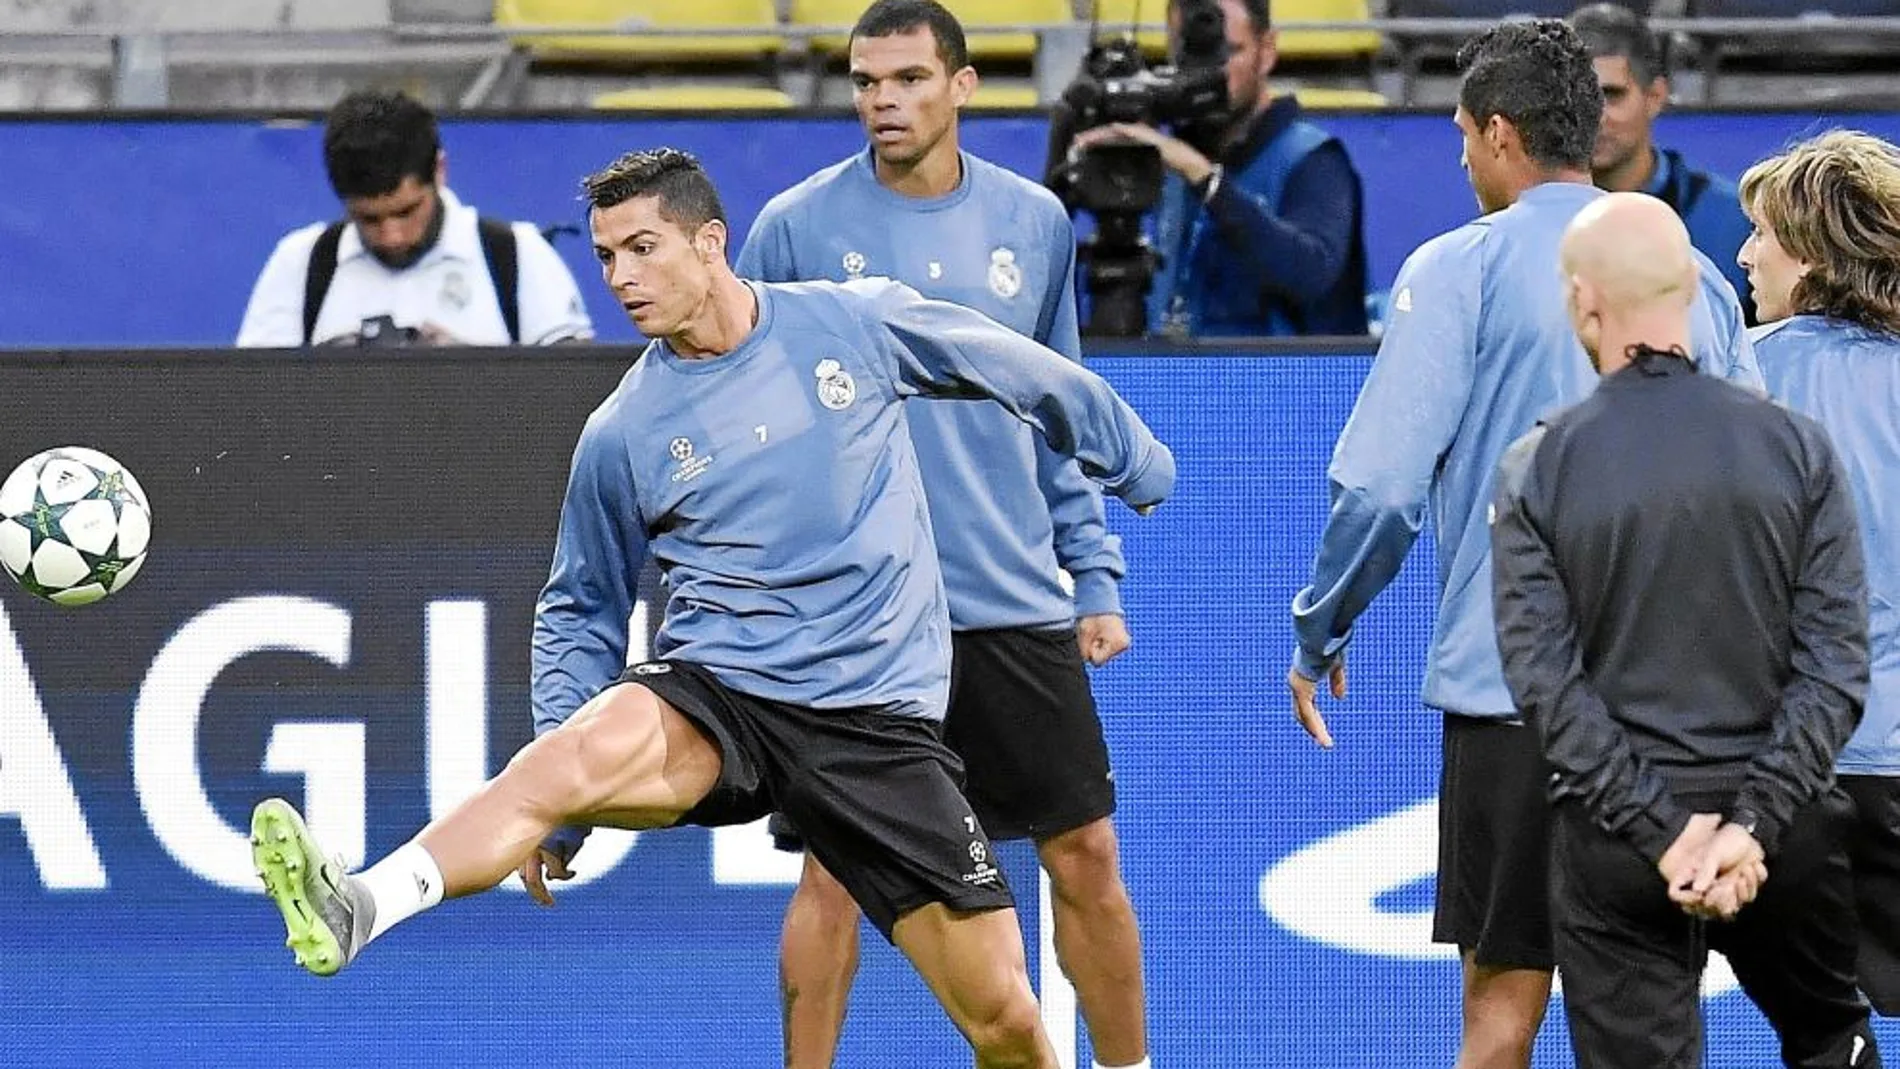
x: 74, y: 525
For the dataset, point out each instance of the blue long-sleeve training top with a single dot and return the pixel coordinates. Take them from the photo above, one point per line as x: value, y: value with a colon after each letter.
x: 1008, y: 510
x: 1847, y: 377
x: 777, y: 488
x: 1479, y: 346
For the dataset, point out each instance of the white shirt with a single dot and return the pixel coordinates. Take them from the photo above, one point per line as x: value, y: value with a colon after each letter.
x: 449, y: 287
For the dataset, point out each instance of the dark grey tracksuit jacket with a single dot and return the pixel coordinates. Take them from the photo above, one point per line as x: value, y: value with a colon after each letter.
x: 1680, y: 600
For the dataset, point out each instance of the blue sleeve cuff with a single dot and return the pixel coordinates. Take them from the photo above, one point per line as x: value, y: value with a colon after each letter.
x: 1096, y: 593
x: 564, y: 842
x: 1314, y: 668
x: 1152, y: 484
x: 1309, y: 664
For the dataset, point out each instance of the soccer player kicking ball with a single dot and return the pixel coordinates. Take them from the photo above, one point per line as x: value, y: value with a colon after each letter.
x: 1009, y: 513
x: 758, y: 450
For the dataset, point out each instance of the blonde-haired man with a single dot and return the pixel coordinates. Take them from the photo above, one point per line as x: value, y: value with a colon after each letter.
x: 1824, y: 261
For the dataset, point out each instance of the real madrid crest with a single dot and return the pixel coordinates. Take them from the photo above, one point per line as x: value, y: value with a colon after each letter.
x: 1006, y: 279
x: 854, y: 264
x: 455, y: 291
x: 836, y: 389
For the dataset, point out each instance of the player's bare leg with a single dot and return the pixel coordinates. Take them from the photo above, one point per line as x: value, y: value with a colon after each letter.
x: 1503, y: 1009
x: 625, y: 759
x: 818, y: 958
x: 1098, y: 943
x: 974, y: 964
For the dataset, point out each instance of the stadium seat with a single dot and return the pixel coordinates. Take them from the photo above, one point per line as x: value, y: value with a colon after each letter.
x: 1496, y: 9
x: 689, y: 97
x: 736, y: 14
x: 1325, y: 44
x: 1114, y: 15
x: 1789, y: 9
x: 1004, y: 97
x: 1819, y: 51
x: 1329, y: 98
x: 1415, y: 48
x: 974, y: 14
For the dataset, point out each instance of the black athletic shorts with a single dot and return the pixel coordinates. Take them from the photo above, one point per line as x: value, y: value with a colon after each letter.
x: 1023, y: 720
x: 875, y: 794
x: 1494, y: 823
x: 1873, y: 845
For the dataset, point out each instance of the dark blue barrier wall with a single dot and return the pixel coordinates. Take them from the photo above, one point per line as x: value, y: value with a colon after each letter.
x: 151, y: 232
x: 336, y: 608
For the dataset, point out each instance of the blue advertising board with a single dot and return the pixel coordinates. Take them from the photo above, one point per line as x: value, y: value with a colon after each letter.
x: 128, y: 232
x: 336, y: 609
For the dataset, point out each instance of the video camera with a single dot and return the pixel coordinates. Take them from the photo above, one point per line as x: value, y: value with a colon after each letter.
x: 1120, y: 183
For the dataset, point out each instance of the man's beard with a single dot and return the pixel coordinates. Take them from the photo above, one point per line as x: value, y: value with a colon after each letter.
x: 397, y: 261
x: 1241, y: 116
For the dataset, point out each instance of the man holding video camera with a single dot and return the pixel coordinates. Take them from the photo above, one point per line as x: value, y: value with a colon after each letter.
x: 409, y: 264
x: 1265, y: 236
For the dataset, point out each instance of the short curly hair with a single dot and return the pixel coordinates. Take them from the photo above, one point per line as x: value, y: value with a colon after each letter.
x: 1537, y: 75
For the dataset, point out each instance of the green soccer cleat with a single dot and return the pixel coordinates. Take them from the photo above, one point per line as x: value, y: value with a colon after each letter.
x: 327, y: 912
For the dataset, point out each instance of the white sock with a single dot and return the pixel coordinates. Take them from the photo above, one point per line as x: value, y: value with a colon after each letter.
x: 1142, y: 1064
x: 402, y: 885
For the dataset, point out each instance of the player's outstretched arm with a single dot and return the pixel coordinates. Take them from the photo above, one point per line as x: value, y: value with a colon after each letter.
x: 1083, y: 545
x: 581, y: 619
x: 1403, y: 423
x: 947, y: 350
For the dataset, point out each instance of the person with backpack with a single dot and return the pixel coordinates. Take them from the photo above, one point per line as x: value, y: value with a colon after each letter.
x: 409, y: 263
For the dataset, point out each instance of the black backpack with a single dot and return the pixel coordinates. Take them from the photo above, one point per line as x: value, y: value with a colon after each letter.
x: 498, y: 248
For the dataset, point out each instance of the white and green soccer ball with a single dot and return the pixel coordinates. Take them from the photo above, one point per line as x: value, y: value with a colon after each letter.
x: 74, y: 525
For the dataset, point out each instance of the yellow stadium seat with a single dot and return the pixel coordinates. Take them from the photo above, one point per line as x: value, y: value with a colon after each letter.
x: 688, y: 97
x: 1004, y: 97
x: 974, y: 14
x: 722, y: 14
x: 1114, y: 15
x: 1325, y: 44
x: 826, y: 13
x: 1327, y: 98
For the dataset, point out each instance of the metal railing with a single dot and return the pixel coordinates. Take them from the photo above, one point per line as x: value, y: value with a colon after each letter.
x: 1880, y: 26
x: 140, y: 57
